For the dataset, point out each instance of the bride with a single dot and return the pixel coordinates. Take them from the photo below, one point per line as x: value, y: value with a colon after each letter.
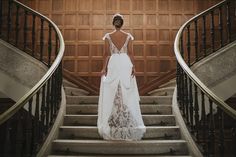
x: 119, y: 115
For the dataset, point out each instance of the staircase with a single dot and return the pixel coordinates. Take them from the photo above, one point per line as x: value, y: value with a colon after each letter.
x: 79, y: 134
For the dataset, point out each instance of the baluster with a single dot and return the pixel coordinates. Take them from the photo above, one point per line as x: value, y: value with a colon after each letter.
x: 1, y: 18
x: 228, y: 21
x: 234, y: 137
x: 51, y: 99
x: 56, y: 76
x: 220, y: 27
x: 191, y: 104
x: 182, y: 78
x: 48, y: 104
x: 36, y: 125
x: 203, y: 122
x: 196, y: 111
x: 33, y: 36
x: 25, y: 30
x: 204, y: 35
x: 19, y: 134
x: 177, y: 82
x: 188, y: 44
x: 221, y: 131
x: 17, y: 25
x: 60, y: 80
x: 196, y: 40
x: 28, y: 130
x: 43, y: 110
x: 41, y: 40
x: 186, y: 97
x: 9, y: 20
x: 56, y: 46
x: 7, y: 141
x: 212, y: 31
x: 211, y: 131
x: 49, y: 44
x: 54, y: 95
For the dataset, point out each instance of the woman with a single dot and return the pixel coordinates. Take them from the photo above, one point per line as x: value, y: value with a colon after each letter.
x: 119, y: 115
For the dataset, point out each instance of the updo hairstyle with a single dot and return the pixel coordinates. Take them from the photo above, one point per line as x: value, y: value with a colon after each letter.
x: 118, y: 20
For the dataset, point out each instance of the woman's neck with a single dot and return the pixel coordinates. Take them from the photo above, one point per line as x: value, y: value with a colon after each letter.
x: 117, y: 29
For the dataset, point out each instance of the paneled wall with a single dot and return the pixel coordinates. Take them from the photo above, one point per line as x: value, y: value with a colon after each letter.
x: 153, y: 23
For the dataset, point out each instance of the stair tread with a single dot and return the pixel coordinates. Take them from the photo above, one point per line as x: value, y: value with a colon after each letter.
x: 144, y: 115
x: 74, y: 89
x: 98, y: 147
x: 142, y: 97
x: 93, y: 109
x: 117, y: 156
x: 95, y: 127
x: 91, y: 132
x: 96, y: 104
x: 71, y: 141
x: 91, y: 120
x: 164, y: 89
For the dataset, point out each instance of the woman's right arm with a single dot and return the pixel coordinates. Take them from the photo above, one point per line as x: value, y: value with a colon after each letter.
x: 106, y: 57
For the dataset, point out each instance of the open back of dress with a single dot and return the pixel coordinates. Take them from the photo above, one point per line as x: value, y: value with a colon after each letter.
x: 119, y: 115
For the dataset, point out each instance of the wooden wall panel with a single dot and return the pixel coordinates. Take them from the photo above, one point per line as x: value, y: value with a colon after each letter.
x: 153, y: 23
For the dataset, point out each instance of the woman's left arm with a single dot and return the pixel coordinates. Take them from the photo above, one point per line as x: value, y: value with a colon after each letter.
x: 131, y: 55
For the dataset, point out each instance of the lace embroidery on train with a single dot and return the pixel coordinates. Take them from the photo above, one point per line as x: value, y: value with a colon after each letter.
x: 122, y: 124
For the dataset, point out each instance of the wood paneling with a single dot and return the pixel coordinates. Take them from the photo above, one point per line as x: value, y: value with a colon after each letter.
x: 153, y: 23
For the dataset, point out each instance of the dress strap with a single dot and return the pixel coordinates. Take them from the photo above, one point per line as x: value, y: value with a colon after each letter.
x: 106, y: 36
x: 129, y: 37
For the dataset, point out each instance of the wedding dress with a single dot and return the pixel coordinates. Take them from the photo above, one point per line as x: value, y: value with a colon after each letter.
x: 119, y: 115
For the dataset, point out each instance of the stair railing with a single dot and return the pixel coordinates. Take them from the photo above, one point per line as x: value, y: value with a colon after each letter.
x: 25, y: 125
x: 200, y: 36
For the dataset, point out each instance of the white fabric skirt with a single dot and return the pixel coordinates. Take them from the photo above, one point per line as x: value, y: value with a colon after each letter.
x: 119, y: 115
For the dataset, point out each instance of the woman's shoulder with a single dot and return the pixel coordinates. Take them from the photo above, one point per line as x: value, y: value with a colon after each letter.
x: 129, y: 35
x: 105, y: 36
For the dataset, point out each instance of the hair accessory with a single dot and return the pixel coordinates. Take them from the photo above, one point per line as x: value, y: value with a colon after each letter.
x: 118, y: 14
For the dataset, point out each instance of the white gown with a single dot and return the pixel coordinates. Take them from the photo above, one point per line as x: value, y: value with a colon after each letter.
x: 119, y: 115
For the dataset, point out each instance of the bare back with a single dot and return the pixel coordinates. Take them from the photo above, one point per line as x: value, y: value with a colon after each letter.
x: 118, y: 38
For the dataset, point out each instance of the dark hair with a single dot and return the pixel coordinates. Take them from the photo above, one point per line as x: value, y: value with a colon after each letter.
x: 118, y: 21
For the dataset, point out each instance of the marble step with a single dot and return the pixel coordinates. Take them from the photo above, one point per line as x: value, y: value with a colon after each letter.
x: 72, y: 91
x: 171, y: 83
x: 94, y: 99
x: 91, y: 120
x: 91, y: 132
x: 93, y: 109
x: 67, y: 83
x: 118, y: 156
x: 162, y: 91
x: 143, y: 147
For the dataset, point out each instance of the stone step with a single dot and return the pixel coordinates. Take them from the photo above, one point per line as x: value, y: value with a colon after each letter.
x: 162, y: 91
x: 143, y: 147
x: 119, y: 156
x: 91, y: 120
x: 171, y: 83
x: 93, y: 109
x: 72, y: 91
x: 67, y: 83
x: 94, y: 99
x: 91, y: 132
x: 143, y: 104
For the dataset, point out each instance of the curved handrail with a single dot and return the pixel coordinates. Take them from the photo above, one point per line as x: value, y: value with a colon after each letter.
x: 200, y: 116
x: 225, y: 107
x: 19, y: 104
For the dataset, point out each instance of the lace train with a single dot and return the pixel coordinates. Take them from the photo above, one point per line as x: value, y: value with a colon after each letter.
x: 123, y: 125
